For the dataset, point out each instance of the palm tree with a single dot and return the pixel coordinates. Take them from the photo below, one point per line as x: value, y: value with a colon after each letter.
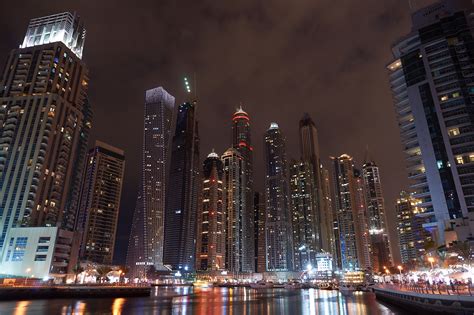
x: 103, y: 272
x: 77, y: 269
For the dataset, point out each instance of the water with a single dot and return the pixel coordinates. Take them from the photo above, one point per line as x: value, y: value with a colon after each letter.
x: 186, y: 300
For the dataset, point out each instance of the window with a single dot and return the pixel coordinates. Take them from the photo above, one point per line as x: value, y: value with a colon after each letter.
x: 44, y: 240
x: 453, y: 132
x: 42, y: 249
x: 459, y: 159
x: 471, y: 157
x: 40, y: 258
x: 444, y: 98
x: 440, y: 164
x: 19, y: 250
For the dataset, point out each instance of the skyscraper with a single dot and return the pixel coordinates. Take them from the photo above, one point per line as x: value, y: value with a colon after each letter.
x: 100, y: 202
x: 279, y: 241
x: 241, y: 141
x: 259, y: 229
x: 430, y: 78
x: 183, y: 191
x: 45, y: 119
x: 309, y: 146
x: 377, y: 225
x: 304, y: 235
x: 364, y: 247
x: 349, y: 200
x: 211, y: 218
x: 327, y: 218
x: 412, y: 236
x: 237, y: 257
x: 148, y: 235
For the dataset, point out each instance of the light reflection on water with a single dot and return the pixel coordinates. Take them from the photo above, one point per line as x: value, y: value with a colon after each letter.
x: 228, y: 301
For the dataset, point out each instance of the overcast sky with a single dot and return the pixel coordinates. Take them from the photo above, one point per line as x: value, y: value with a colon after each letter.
x: 279, y: 58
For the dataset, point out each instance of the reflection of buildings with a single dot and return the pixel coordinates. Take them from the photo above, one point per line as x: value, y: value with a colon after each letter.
x: 146, y: 238
x: 211, y: 217
x: 45, y: 119
x: 279, y: 256
x: 432, y: 93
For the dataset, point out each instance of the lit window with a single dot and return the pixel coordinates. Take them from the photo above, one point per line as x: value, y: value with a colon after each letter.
x: 456, y: 94
x: 459, y: 159
x: 453, y: 132
x: 471, y: 157
x: 444, y: 98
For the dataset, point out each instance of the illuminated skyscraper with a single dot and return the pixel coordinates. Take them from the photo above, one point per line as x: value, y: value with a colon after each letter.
x: 279, y: 240
x: 349, y: 200
x: 241, y: 141
x: 147, y: 232
x: 100, y: 203
x: 211, y: 218
x: 377, y: 226
x: 304, y: 236
x: 309, y: 146
x: 259, y: 229
x: 45, y: 119
x: 183, y: 191
x: 431, y: 78
x: 327, y: 218
x: 238, y: 259
x: 412, y: 236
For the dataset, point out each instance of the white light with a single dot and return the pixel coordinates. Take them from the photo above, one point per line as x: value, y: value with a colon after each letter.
x: 309, y: 267
x: 177, y: 274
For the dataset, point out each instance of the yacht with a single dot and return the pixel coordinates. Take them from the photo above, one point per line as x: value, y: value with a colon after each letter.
x: 262, y: 284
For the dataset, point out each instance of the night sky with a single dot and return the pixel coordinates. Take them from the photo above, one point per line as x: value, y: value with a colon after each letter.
x: 279, y: 58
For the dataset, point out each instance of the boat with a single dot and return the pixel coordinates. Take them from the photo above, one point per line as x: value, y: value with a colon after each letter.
x: 261, y: 285
x: 293, y: 285
x: 346, y: 289
x: 325, y: 286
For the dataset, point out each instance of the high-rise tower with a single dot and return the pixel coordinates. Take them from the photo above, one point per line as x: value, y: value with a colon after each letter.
x: 183, y: 191
x: 45, y: 119
x: 148, y: 236
x: 304, y: 235
x: 100, y: 202
x: 211, y: 218
x: 241, y: 141
x: 377, y: 225
x: 237, y: 257
x: 430, y: 78
x: 350, y: 209
x: 279, y: 241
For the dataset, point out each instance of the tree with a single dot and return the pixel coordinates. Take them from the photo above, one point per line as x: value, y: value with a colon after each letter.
x: 77, y: 269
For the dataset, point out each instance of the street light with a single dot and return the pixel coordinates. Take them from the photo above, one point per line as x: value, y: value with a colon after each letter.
x: 431, y: 260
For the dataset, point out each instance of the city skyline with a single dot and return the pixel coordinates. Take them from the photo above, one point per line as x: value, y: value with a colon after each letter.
x: 219, y: 99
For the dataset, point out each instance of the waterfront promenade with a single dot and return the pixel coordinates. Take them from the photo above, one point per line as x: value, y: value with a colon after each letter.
x: 425, y: 297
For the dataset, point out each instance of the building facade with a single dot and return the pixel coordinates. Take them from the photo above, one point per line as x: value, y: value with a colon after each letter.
x: 241, y: 141
x: 305, y: 245
x: 211, y: 217
x: 279, y: 240
x: 349, y: 200
x: 148, y: 236
x: 377, y: 223
x: 432, y: 88
x: 238, y: 259
x: 100, y: 203
x: 412, y: 236
x: 259, y: 235
x: 183, y: 191
x: 45, y: 119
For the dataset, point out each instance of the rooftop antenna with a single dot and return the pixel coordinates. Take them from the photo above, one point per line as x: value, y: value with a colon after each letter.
x: 367, y: 154
x: 186, y: 85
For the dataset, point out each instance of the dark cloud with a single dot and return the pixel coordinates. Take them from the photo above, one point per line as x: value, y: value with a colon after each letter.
x: 279, y: 58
